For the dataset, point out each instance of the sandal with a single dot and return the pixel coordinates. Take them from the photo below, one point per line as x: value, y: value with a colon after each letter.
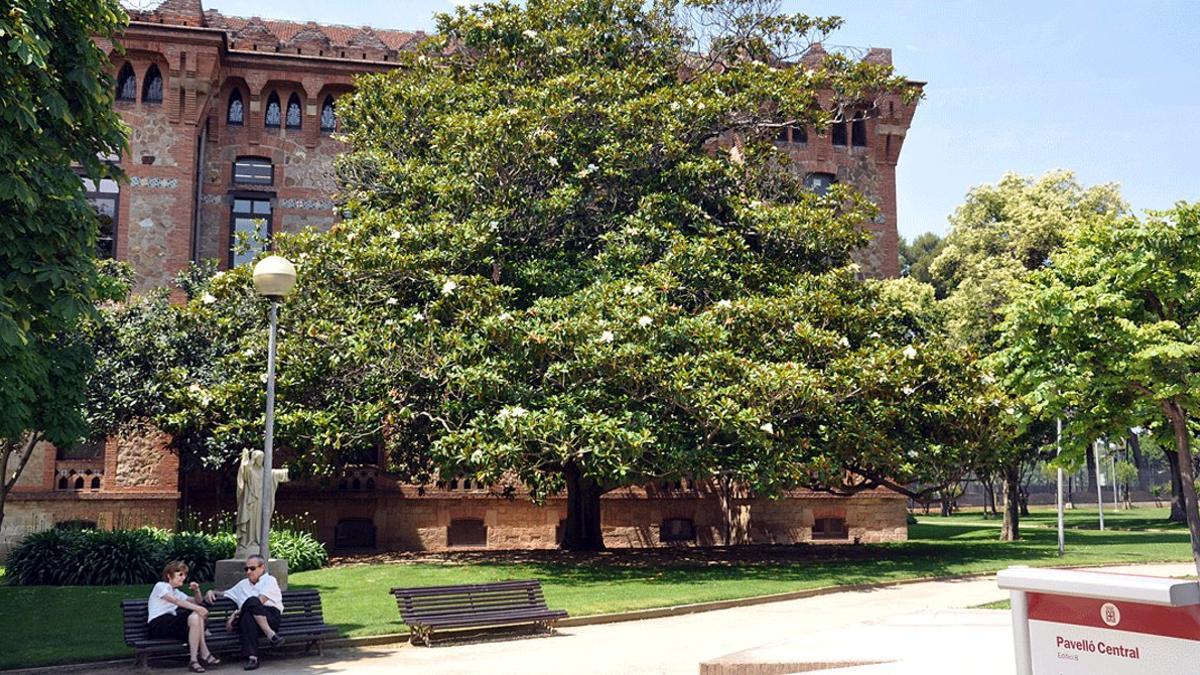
x: 210, y: 660
x: 195, y: 667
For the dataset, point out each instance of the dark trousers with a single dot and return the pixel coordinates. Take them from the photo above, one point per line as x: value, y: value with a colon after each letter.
x: 249, y: 632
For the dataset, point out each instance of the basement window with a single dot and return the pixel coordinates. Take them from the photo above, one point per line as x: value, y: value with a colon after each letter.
x: 466, y: 532
x: 676, y: 529
x: 830, y: 528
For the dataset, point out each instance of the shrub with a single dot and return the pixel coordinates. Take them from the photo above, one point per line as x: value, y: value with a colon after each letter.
x: 118, y: 557
x: 302, y: 550
x: 200, y: 551
x: 43, y: 558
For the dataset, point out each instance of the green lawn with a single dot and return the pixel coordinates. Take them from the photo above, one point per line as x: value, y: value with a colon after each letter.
x: 83, y: 623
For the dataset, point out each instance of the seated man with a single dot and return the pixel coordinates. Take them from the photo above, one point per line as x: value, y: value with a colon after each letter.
x: 260, y: 604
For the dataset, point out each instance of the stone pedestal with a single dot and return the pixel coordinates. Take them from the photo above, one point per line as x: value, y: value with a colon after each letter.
x: 229, y: 572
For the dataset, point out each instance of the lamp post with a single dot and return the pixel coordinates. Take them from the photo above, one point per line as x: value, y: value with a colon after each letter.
x: 274, y: 277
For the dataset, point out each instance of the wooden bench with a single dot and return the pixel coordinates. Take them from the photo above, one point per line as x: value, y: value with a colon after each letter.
x: 301, y: 621
x: 502, y: 604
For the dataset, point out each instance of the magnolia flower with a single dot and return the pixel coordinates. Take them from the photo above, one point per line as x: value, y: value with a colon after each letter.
x: 907, y: 390
x: 417, y: 316
x: 724, y: 304
x: 560, y: 50
x: 448, y: 287
x: 768, y: 427
x: 194, y: 388
x: 208, y: 299
x: 511, y: 411
x: 395, y: 234
x: 607, y: 336
x: 644, y: 321
x: 987, y: 378
x: 633, y: 290
x: 248, y: 353
x: 910, y: 352
x: 632, y: 231
x: 391, y: 301
x: 390, y: 322
x: 529, y: 33
x: 553, y: 161
x: 845, y: 342
x: 504, y: 316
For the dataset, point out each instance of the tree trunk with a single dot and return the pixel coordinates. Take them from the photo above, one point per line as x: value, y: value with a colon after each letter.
x: 1139, y: 461
x: 1187, y: 477
x: 1010, y: 530
x: 583, y: 512
x: 989, y: 497
x: 23, y: 449
x: 1178, y: 513
x: 724, y: 492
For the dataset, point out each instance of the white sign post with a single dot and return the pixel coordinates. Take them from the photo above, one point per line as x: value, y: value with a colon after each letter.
x: 1067, y: 622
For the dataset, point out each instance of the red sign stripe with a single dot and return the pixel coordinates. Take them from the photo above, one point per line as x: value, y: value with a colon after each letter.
x: 1176, y: 622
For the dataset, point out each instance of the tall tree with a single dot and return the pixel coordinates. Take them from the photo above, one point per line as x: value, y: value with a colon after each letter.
x: 1109, y: 330
x: 670, y: 299
x: 56, y: 117
x: 917, y: 255
x: 999, y: 236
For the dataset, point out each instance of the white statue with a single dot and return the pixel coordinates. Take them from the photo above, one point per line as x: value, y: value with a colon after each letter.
x: 249, y: 497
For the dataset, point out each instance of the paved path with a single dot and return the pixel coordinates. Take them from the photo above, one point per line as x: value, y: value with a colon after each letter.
x: 679, y: 644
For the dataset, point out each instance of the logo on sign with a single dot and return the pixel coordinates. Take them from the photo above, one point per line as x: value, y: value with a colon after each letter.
x: 1109, y: 614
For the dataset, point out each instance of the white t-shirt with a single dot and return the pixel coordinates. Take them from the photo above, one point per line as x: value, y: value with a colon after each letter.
x: 266, y: 586
x: 157, y: 606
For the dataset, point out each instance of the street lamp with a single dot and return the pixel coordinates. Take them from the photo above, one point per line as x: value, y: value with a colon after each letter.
x: 274, y: 277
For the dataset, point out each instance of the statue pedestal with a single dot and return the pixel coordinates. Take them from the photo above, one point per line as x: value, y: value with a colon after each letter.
x: 229, y: 572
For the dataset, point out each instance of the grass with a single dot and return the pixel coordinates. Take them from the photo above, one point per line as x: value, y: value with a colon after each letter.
x: 46, y: 625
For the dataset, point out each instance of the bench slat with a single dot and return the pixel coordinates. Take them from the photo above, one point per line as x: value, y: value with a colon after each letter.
x: 504, y: 603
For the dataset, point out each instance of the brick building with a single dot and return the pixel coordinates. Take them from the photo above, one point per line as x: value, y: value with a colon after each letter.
x: 231, y: 123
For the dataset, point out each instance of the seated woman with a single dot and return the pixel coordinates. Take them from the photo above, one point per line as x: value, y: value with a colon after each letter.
x: 172, y: 615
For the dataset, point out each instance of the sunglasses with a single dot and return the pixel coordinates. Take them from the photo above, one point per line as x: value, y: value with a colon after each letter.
x: 251, y: 568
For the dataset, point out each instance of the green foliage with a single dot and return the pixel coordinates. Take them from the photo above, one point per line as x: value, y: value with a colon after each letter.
x: 55, y: 113
x: 1126, y: 472
x: 42, y: 558
x: 916, y: 257
x: 102, y: 558
x: 301, y: 549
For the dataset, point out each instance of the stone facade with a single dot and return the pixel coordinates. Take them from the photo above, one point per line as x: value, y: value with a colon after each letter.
x: 178, y: 206
x: 130, y: 482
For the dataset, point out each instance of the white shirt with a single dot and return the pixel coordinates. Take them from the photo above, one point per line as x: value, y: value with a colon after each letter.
x: 266, y: 586
x: 157, y: 606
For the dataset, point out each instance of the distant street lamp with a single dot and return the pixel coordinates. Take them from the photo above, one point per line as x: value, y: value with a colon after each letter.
x: 274, y: 277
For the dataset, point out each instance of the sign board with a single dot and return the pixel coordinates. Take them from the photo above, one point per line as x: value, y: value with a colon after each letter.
x: 1067, y: 622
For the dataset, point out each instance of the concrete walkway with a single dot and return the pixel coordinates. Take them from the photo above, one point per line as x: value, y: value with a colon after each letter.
x: 838, y: 624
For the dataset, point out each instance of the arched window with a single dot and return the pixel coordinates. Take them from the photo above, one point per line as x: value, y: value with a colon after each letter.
x: 273, y: 112
x: 152, y: 88
x: 126, y: 84
x: 328, y: 118
x: 293, y: 112
x: 839, y: 133
x: 237, y: 112
x: 96, y: 482
x: 858, y: 132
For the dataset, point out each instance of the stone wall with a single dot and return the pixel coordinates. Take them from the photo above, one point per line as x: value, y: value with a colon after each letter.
x: 26, y: 513
x: 407, y: 518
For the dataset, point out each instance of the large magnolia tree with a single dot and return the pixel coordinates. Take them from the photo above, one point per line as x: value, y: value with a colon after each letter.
x: 55, y: 116
x: 659, y: 294
x: 1109, y: 331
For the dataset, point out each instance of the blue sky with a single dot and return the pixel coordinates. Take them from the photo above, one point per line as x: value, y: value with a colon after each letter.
x: 1108, y: 89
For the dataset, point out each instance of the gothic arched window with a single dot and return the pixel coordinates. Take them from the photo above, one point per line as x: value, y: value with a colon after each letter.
x: 237, y: 112
x: 126, y: 84
x: 328, y: 118
x: 273, y: 116
x: 293, y: 112
x: 152, y: 88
